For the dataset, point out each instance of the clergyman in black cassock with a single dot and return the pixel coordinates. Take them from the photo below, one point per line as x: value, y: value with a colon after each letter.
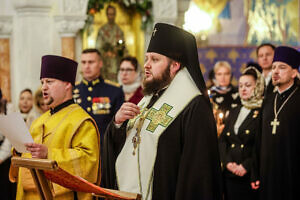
x: 279, y: 143
x: 186, y: 162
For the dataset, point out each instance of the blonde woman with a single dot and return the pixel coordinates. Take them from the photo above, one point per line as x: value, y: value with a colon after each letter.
x: 224, y: 95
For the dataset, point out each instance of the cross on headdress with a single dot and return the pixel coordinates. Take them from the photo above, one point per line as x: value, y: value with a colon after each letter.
x: 154, y: 31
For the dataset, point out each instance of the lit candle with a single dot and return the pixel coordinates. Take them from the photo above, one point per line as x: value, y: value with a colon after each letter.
x: 120, y: 41
x: 220, y: 117
x: 209, y: 93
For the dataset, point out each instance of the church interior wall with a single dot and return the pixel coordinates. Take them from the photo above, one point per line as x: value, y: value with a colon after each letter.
x: 232, y: 30
x: 38, y: 30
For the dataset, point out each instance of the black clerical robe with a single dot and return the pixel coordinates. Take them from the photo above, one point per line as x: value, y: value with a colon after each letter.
x: 187, y: 164
x: 279, y: 152
x: 269, y: 89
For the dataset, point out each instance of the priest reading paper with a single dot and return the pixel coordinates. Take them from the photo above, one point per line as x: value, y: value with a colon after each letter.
x: 65, y: 133
x: 166, y: 146
x: 279, y: 172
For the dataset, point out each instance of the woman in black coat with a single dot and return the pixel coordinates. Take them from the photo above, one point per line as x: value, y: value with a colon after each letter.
x: 237, y: 139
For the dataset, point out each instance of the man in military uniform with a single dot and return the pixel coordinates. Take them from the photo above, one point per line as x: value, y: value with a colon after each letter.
x: 100, y: 98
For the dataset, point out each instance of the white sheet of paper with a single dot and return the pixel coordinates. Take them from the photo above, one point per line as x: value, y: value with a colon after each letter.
x: 13, y: 127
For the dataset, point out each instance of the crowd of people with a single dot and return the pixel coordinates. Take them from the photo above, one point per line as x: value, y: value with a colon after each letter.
x: 157, y: 132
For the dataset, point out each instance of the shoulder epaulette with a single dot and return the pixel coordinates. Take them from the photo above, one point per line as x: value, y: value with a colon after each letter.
x: 112, y: 83
x: 77, y: 83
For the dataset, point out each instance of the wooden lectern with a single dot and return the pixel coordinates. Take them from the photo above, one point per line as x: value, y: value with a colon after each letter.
x: 43, y: 171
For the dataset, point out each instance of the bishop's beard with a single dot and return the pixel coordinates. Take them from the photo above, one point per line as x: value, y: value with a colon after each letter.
x: 158, y: 83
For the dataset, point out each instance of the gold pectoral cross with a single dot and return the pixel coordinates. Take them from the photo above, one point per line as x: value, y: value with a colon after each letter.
x: 274, y: 123
x: 136, y: 140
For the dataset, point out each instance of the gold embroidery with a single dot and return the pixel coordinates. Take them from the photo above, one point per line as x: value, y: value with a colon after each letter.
x: 159, y: 117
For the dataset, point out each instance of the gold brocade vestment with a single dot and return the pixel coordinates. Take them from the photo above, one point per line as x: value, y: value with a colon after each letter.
x: 72, y: 138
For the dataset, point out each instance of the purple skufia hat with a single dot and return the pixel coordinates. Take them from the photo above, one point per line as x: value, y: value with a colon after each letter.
x: 59, y: 67
x: 287, y: 55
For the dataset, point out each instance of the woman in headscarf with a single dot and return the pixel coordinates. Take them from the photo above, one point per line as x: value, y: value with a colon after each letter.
x: 26, y: 107
x: 237, y: 139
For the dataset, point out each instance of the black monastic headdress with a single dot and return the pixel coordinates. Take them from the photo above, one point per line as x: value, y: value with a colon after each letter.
x: 180, y: 46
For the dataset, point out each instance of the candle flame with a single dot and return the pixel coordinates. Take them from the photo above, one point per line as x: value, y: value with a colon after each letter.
x: 221, y: 115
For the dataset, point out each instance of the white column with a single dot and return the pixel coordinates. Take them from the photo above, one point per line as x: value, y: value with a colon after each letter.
x: 69, y: 20
x: 32, y: 38
x: 5, y: 26
x: 68, y: 26
x: 183, y: 6
x: 70, y: 16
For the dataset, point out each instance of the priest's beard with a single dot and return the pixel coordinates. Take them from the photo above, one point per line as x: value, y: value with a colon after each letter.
x: 158, y: 83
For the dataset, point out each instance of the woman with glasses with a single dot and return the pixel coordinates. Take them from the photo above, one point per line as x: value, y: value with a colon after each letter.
x: 130, y: 77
